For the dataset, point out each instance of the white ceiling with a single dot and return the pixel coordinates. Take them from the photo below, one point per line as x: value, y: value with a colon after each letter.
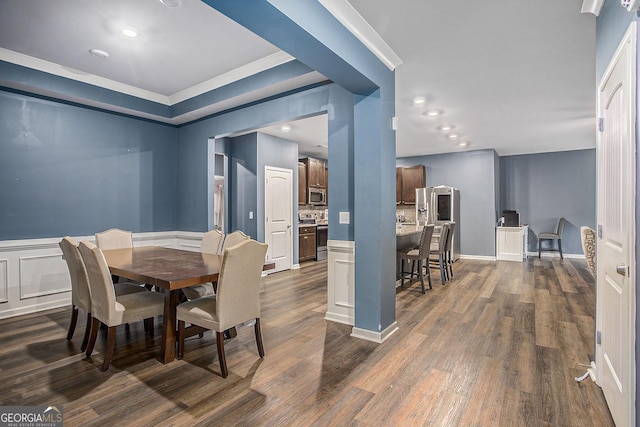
x: 516, y: 76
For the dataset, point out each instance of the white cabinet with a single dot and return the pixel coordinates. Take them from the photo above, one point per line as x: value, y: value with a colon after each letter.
x: 512, y: 243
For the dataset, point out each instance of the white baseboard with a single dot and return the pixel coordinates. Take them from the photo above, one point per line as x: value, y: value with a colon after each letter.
x: 552, y: 254
x: 374, y: 336
x: 478, y: 257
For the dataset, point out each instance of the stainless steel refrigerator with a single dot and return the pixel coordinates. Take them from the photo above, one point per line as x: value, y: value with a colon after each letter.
x: 436, y: 205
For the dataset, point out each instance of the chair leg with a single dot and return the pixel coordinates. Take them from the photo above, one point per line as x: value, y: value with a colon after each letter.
x: 539, y: 247
x: 148, y: 326
x: 94, y: 334
x: 441, y: 269
x: 180, y: 354
x: 450, y: 262
x: 428, y: 269
x: 560, y: 248
x: 72, y: 323
x: 402, y: 272
x: 258, y: 332
x: 221, y: 357
x: 111, y: 344
x: 421, y: 275
x: 87, y: 333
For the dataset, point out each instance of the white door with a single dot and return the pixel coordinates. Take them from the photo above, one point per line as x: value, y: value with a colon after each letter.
x: 278, y: 200
x: 615, y: 311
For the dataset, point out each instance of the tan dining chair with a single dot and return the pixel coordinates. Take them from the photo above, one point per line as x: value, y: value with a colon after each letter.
x: 211, y: 244
x: 114, y: 238
x: 237, y: 299
x: 80, y: 296
x: 111, y: 309
x: 437, y: 258
x: 419, y: 254
x: 233, y: 239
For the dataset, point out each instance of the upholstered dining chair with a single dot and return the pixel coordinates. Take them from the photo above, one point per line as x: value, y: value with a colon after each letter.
x: 80, y: 295
x: 237, y: 299
x: 111, y: 309
x: 437, y: 258
x: 211, y: 244
x: 233, y: 239
x: 419, y: 254
x: 588, y: 240
x: 551, y: 236
x: 449, y: 250
x: 114, y: 238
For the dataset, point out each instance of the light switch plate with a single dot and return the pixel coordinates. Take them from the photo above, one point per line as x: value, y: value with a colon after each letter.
x: 250, y: 214
x: 345, y: 218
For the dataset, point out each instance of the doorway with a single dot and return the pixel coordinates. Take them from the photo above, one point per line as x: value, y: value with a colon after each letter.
x: 615, y: 282
x: 278, y: 219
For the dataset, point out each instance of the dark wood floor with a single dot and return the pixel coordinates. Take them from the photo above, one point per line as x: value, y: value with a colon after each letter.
x: 499, y: 345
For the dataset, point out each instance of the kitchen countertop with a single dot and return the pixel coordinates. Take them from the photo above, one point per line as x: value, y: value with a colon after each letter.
x: 407, y: 230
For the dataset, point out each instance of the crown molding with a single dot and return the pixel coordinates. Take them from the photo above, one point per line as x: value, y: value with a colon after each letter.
x: 592, y: 6
x: 356, y: 24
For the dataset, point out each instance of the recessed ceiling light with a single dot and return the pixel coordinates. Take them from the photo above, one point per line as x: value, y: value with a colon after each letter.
x: 453, y: 136
x: 419, y: 100
x: 446, y: 128
x: 129, y: 32
x: 433, y: 113
x: 171, y: 3
x: 285, y: 128
x: 463, y: 143
x: 99, y: 53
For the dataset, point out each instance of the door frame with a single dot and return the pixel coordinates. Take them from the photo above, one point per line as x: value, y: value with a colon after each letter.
x: 291, y: 228
x: 630, y: 38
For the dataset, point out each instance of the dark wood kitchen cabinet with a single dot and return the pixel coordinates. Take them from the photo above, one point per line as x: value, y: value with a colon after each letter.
x: 307, y: 243
x: 408, y: 178
x: 302, y: 184
x: 315, y: 172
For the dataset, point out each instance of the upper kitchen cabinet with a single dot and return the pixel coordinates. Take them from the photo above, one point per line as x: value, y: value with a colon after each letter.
x: 409, y: 178
x: 302, y: 184
x: 315, y: 172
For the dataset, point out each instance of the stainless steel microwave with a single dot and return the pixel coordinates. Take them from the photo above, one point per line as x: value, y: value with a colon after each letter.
x: 316, y: 196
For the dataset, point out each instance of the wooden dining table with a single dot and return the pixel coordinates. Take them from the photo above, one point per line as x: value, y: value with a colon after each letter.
x: 168, y: 269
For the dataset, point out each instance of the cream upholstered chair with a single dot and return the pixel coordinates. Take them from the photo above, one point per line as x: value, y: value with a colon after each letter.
x: 114, y: 238
x: 111, y: 309
x: 237, y: 299
x: 551, y: 236
x: 211, y: 244
x: 233, y: 239
x: 421, y: 253
x: 438, y: 257
x: 80, y: 296
x: 588, y: 240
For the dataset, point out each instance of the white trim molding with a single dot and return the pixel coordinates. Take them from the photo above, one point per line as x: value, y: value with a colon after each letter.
x: 341, y: 281
x: 360, y: 28
x: 592, y: 6
x: 377, y: 337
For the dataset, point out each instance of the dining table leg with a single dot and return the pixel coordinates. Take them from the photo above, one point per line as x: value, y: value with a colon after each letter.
x: 168, y: 346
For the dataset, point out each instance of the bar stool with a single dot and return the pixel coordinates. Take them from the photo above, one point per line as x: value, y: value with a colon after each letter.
x: 419, y: 254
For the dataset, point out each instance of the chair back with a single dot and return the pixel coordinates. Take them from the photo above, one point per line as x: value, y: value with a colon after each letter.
x: 425, y: 241
x: 114, y: 238
x: 444, y: 235
x: 212, y: 242
x: 238, y: 294
x: 233, y: 239
x: 452, y: 229
x: 588, y: 240
x: 560, y: 227
x: 80, y: 296
x: 103, y: 296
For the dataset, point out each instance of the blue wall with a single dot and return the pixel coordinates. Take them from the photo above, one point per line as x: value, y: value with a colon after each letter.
x: 474, y: 174
x: 544, y: 187
x: 243, y: 184
x: 67, y: 170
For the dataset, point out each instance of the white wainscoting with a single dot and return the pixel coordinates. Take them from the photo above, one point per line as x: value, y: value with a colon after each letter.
x: 341, y: 281
x: 34, y: 277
